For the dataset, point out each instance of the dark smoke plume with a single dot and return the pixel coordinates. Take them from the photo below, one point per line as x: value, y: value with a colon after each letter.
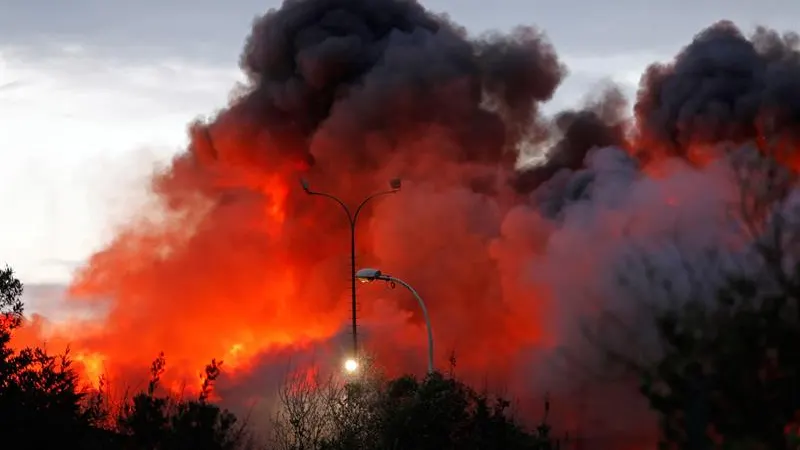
x: 722, y: 87
x: 601, y: 123
x: 352, y: 92
x: 346, y: 79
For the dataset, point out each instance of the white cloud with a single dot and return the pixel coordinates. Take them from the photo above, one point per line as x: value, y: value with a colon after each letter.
x: 77, y: 132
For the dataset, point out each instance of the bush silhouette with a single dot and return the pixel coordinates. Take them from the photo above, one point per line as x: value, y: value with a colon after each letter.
x: 169, y: 423
x: 41, y: 405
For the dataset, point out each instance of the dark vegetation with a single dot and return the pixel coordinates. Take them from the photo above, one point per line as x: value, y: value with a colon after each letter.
x: 43, y: 405
x: 729, y: 376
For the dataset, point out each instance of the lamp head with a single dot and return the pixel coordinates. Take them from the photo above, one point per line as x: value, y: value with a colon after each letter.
x: 367, y: 275
x: 350, y: 365
x: 395, y: 183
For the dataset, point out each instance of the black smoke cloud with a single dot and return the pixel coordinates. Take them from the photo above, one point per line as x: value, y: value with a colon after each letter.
x: 600, y: 123
x: 722, y: 87
x: 326, y: 74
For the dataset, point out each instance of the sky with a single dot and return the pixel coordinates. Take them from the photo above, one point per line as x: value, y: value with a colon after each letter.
x: 94, y: 93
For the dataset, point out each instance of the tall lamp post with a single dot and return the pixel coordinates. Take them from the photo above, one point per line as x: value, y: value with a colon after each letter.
x: 370, y: 275
x: 351, y: 365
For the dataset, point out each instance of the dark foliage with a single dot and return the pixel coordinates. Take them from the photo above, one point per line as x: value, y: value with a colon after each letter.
x: 40, y: 402
x: 731, y: 371
x: 438, y: 412
x: 42, y: 405
x: 443, y: 413
x: 151, y: 421
x: 729, y: 376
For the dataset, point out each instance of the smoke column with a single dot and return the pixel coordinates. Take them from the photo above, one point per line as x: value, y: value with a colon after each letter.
x: 235, y: 262
x: 349, y: 94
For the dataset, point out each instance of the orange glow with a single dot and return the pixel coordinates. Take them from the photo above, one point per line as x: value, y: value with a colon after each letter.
x: 91, y: 365
x: 198, y: 279
x: 228, y: 267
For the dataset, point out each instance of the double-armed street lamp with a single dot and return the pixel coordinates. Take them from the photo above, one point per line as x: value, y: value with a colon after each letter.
x: 351, y: 364
x: 370, y: 275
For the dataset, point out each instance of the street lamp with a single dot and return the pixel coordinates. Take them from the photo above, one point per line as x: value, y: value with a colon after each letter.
x: 394, y: 185
x: 350, y: 365
x: 370, y: 275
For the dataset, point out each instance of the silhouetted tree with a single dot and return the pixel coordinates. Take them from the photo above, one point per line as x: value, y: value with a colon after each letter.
x: 153, y: 421
x: 145, y: 417
x: 41, y: 405
x: 440, y: 412
x: 732, y: 369
x: 199, y: 425
x: 728, y: 375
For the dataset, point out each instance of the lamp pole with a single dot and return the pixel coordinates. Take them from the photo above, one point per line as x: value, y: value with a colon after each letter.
x: 352, y: 218
x: 369, y: 275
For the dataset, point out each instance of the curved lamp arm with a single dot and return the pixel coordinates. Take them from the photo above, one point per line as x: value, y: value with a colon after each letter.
x: 350, y: 217
x: 366, y: 200
x: 394, y: 183
x: 424, y: 309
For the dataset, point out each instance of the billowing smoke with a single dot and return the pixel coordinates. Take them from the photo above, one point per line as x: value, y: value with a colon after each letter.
x: 348, y: 83
x: 722, y: 87
x: 601, y: 123
x: 235, y: 262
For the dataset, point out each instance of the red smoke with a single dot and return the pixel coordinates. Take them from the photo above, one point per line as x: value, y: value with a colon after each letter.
x: 237, y: 263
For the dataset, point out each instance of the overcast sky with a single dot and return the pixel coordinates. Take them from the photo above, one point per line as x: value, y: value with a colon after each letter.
x: 93, y: 92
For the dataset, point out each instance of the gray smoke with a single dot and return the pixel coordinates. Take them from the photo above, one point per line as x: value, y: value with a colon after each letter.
x: 600, y: 123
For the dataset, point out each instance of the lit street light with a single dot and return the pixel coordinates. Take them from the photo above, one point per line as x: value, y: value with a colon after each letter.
x: 394, y: 184
x: 350, y: 365
x: 370, y: 275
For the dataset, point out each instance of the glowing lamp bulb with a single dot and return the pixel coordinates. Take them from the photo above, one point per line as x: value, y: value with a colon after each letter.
x: 351, y: 365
